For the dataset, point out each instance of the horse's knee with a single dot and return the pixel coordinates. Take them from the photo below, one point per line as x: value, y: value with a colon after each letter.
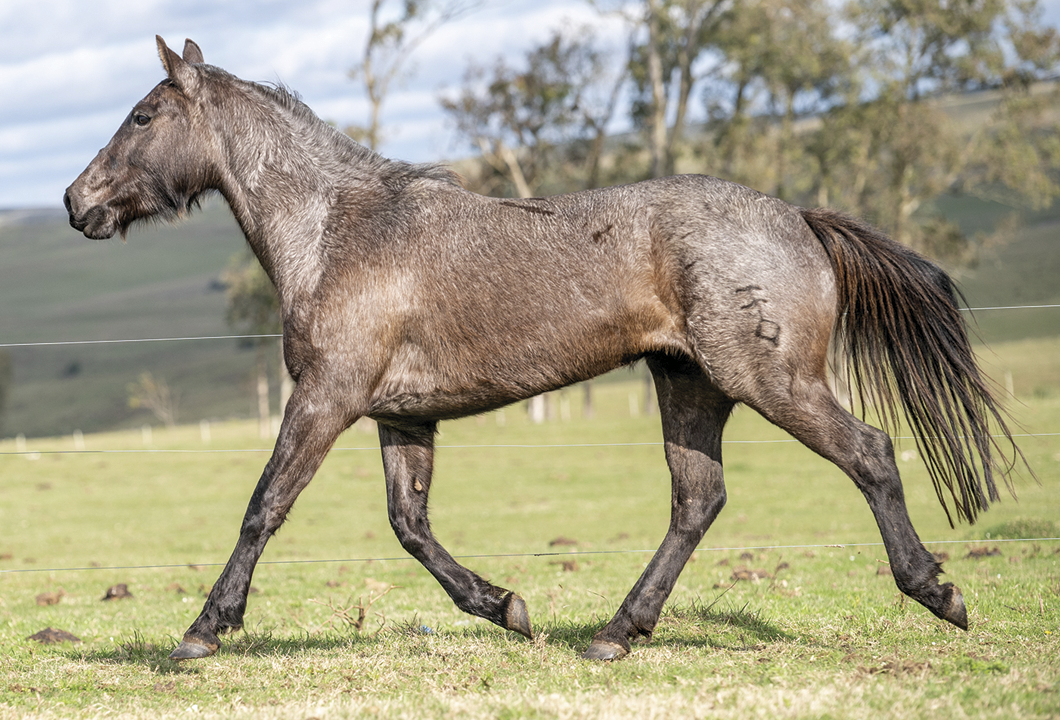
x: 413, y: 545
x: 263, y: 523
x: 410, y: 533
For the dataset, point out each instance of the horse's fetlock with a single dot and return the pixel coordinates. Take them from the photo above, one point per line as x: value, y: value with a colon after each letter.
x: 641, y: 638
x: 642, y: 625
x: 233, y: 614
x: 922, y: 587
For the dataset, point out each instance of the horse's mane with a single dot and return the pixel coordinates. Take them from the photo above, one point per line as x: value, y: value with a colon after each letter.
x: 390, y: 171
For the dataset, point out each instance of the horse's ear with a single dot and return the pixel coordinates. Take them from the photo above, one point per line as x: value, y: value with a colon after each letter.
x: 192, y: 53
x: 178, y: 70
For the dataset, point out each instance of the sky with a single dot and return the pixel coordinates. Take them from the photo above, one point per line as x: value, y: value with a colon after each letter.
x: 70, y: 71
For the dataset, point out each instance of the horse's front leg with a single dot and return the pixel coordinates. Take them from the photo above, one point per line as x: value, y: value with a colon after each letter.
x: 408, y: 461
x: 311, y: 425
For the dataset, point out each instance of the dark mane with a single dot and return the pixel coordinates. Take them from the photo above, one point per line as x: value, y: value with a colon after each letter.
x: 283, y: 94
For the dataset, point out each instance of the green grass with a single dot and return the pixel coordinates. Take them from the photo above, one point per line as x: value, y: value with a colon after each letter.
x: 823, y: 635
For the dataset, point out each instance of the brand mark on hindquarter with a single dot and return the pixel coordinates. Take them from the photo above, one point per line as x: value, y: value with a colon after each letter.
x: 750, y: 297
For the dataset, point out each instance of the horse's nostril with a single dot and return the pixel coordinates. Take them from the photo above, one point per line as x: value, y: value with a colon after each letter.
x: 66, y: 201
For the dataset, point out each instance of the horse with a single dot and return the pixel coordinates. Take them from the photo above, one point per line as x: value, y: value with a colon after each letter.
x: 411, y: 300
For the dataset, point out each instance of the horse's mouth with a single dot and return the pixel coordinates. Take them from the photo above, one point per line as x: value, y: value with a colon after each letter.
x: 94, y: 230
x: 97, y: 223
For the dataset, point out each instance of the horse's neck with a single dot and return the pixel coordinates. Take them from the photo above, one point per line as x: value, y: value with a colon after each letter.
x: 281, y: 200
x: 285, y: 236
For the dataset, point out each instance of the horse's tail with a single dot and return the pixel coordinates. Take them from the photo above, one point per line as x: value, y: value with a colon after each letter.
x: 906, y: 345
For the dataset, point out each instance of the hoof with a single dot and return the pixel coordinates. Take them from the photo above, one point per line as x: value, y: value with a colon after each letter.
x: 192, y: 649
x: 956, y: 612
x: 605, y: 650
x: 516, y: 618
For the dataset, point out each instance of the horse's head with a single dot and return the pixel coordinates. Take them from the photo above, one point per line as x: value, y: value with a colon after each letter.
x: 156, y: 164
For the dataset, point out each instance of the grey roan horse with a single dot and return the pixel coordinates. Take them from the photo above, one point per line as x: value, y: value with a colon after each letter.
x: 410, y: 300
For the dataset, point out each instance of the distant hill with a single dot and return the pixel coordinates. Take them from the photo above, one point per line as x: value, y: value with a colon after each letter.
x: 1023, y: 271
x: 56, y: 286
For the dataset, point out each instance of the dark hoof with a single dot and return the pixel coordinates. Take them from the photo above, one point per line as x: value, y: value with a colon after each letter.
x: 956, y: 612
x: 605, y: 650
x: 192, y: 649
x: 516, y: 618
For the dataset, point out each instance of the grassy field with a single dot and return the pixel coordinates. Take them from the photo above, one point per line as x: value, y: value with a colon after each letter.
x: 785, y: 611
x: 565, y: 513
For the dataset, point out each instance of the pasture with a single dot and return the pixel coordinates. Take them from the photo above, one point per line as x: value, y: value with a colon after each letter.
x: 786, y: 609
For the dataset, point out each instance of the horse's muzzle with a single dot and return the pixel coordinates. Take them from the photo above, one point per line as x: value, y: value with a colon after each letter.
x: 97, y: 223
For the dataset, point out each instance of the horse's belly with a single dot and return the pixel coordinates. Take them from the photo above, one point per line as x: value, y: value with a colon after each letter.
x: 447, y: 377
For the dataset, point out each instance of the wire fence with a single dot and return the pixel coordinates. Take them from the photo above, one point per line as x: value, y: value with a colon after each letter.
x: 495, y: 446
x: 57, y: 343
x: 488, y: 556
x: 568, y: 553
x: 277, y: 335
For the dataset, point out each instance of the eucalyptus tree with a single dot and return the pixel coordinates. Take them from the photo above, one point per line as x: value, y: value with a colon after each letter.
x: 543, y: 121
x: 915, y: 53
x: 395, y: 31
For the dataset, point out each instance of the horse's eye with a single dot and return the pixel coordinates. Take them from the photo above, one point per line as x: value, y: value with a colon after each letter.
x: 141, y: 119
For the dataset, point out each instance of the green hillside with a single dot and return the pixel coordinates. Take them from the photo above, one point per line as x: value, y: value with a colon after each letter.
x: 56, y: 286
x: 1023, y: 271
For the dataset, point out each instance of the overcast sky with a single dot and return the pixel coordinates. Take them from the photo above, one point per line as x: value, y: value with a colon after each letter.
x: 70, y: 70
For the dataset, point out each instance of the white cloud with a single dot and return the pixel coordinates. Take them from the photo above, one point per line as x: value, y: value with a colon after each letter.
x: 70, y: 70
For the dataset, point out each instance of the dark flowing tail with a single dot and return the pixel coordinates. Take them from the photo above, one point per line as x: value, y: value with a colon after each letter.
x: 905, y: 340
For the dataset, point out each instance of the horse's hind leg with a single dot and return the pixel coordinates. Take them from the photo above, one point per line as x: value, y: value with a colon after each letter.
x: 408, y: 462
x: 693, y: 416
x: 807, y: 409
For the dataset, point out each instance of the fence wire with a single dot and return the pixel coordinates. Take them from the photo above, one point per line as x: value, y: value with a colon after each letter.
x: 373, y: 448
x: 276, y: 335
x: 570, y: 553
x: 576, y: 553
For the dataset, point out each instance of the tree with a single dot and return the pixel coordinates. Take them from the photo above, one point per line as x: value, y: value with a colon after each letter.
x: 880, y: 139
x: 389, y: 45
x: 918, y: 50
x: 551, y: 114
x: 154, y: 395
x: 1015, y: 156
x: 254, y: 309
x: 677, y: 35
x: 782, y: 61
